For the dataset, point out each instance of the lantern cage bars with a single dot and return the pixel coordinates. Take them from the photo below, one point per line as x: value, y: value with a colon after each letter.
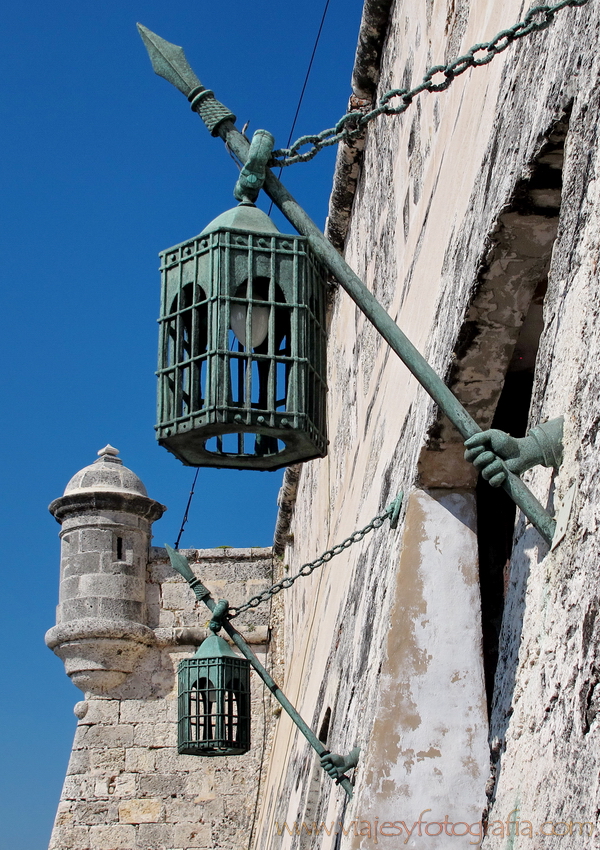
x: 242, y: 346
x: 213, y: 701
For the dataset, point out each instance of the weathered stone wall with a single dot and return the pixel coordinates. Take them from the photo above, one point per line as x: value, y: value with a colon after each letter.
x: 126, y: 786
x: 544, y: 728
x: 435, y: 184
x: 383, y: 645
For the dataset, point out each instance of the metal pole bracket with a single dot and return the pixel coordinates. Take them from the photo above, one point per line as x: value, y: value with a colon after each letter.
x: 218, y: 613
x: 495, y: 453
x: 336, y: 765
x: 253, y: 174
x: 219, y: 610
x: 394, y: 510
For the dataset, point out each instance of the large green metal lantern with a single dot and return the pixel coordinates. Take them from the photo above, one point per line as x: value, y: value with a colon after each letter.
x: 214, y: 701
x: 242, y: 346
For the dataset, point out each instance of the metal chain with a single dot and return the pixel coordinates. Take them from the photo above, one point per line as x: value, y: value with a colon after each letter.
x: 307, y: 569
x: 352, y: 125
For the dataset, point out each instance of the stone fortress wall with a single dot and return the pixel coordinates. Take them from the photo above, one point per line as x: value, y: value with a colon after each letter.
x: 462, y: 660
x: 125, y: 619
x: 474, y: 219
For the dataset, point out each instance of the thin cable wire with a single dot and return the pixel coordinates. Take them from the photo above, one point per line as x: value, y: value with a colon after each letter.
x: 301, y: 98
x: 187, y: 509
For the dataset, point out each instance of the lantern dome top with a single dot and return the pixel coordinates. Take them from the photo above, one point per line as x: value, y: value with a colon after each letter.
x: 214, y: 646
x: 106, y: 474
x: 243, y: 217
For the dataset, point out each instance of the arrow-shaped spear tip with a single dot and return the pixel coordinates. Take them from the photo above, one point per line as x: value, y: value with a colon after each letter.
x: 154, y: 43
x: 180, y: 563
x: 168, y: 61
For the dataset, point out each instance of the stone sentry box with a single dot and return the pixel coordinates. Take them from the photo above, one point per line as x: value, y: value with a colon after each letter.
x: 106, y: 518
x: 125, y: 619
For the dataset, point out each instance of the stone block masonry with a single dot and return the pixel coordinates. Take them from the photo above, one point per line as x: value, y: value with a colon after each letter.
x: 125, y: 620
x: 126, y: 785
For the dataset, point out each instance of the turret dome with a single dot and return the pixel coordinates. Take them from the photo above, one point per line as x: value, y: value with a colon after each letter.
x: 107, y: 474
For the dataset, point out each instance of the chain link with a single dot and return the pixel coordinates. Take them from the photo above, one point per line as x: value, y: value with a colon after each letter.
x: 309, y: 568
x: 352, y: 125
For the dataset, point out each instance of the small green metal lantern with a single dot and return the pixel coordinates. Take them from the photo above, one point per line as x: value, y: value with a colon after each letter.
x: 242, y: 346
x: 214, y: 701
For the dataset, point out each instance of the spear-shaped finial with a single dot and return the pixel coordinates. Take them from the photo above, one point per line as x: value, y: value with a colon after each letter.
x: 169, y: 62
x: 180, y: 563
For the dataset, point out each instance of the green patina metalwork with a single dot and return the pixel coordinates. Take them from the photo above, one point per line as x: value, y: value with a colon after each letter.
x: 494, y: 452
x: 392, y: 513
x: 242, y: 369
x: 336, y: 766
x: 437, y: 79
x: 377, y: 315
x: 180, y: 564
x: 173, y: 65
x: 213, y: 701
x: 252, y: 176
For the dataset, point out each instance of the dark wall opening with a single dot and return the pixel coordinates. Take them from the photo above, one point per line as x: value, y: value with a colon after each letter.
x: 496, y: 511
x: 535, y: 198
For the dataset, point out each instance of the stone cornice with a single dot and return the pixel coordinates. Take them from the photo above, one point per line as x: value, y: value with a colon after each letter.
x: 84, y: 502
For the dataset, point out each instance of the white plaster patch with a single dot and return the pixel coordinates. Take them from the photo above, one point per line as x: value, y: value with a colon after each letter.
x: 428, y: 750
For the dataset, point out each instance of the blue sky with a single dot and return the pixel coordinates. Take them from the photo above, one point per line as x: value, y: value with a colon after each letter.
x: 103, y: 166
